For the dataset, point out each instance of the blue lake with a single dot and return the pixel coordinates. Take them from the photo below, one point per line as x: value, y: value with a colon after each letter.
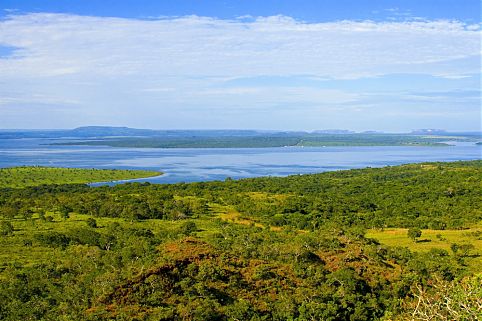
x: 194, y: 164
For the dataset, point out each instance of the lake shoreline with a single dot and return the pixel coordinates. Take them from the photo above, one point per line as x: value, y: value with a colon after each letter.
x: 209, y: 164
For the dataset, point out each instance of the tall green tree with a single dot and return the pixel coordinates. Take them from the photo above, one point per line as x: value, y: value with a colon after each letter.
x: 414, y: 233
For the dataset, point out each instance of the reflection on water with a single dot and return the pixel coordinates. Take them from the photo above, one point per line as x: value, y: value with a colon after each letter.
x: 188, y: 165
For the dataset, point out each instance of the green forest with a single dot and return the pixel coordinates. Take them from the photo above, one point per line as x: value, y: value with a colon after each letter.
x: 393, y: 243
x: 275, y: 140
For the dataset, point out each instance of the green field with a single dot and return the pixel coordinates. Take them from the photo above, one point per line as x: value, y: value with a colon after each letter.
x: 17, y: 177
x: 436, y: 239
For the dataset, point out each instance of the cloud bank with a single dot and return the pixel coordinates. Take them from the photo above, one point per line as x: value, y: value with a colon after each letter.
x: 189, y: 61
x: 55, y: 44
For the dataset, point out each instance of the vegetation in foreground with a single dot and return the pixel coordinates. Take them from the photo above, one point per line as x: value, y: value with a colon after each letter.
x: 255, y: 249
x: 24, y: 176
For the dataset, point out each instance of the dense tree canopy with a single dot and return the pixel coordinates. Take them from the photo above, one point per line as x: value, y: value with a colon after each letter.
x: 255, y: 249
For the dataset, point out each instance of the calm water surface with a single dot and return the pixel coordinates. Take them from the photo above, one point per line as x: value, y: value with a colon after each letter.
x: 194, y: 164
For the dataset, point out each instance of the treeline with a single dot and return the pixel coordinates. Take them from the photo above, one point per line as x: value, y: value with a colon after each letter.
x: 436, y: 196
x: 270, y: 140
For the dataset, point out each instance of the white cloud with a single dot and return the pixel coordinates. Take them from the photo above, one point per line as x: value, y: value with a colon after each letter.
x: 35, y: 99
x: 259, y: 98
x: 59, y: 44
x: 115, y: 68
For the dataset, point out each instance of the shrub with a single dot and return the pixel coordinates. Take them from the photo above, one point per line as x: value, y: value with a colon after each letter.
x: 91, y: 222
x: 6, y: 228
x: 188, y: 228
x: 414, y: 233
x: 53, y: 239
x: 457, y: 300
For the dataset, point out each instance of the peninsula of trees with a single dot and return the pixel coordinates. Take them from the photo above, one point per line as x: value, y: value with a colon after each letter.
x: 36, y: 175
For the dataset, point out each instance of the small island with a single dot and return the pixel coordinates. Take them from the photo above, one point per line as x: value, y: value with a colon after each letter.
x: 25, y: 176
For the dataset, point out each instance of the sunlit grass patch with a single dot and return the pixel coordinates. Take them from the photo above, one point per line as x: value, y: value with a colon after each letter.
x: 435, y: 239
x: 17, y: 177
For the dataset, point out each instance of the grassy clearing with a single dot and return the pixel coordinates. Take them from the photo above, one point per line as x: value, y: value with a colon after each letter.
x: 229, y: 214
x: 438, y: 239
x: 17, y: 177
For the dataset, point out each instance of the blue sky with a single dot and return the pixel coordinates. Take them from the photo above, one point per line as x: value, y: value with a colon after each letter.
x: 289, y: 65
x: 306, y: 10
